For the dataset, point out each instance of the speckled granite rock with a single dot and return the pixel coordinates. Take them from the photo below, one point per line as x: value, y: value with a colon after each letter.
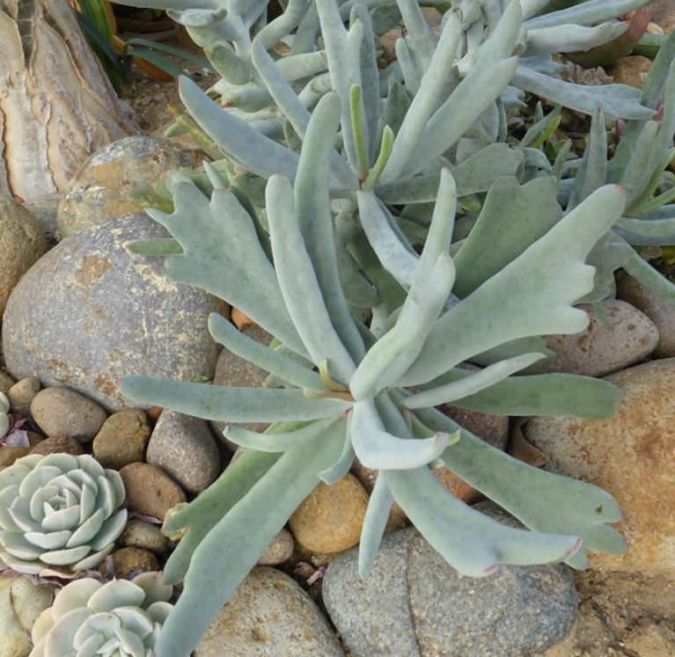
x: 89, y: 313
x: 269, y: 615
x: 413, y: 603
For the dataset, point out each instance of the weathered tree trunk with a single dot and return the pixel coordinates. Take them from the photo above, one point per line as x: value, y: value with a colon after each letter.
x: 56, y: 103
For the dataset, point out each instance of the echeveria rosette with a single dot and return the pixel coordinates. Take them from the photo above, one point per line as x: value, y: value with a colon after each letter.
x: 120, y: 618
x: 59, y: 513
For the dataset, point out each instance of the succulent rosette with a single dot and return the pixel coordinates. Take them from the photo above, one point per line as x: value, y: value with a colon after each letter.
x: 59, y: 512
x: 120, y: 618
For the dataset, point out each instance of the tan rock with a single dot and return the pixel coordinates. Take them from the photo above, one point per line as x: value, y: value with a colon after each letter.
x: 279, y: 550
x: 103, y: 189
x: 131, y: 561
x: 64, y: 412
x: 660, y: 311
x: 622, y: 337
x: 144, y: 535
x: 122, y: 439
x: 150, y: 491
x: 631, y: 70
x: 22, y: 242
x: 6, y: 382
x: 664, y: 14
x: 10, y: 454
x: 22, y: 393
x: 632, y: 455
x: 331, y: 517
x: 58, y: 444
x: 21, y: 602
x: 269, y: 615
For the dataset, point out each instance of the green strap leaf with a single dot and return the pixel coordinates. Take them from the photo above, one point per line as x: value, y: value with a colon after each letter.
x: 279, y: 442
x: 580, y: 508
x: 539, y: 287
x: 539, y: 394
x: 235, y: 544
x: 230, y: 404
x: 378, y: 449
x: 192, y: 522
x: 473, y: 383
x: 268, y: 359
x: 298, y: 282
x: 468, y: 540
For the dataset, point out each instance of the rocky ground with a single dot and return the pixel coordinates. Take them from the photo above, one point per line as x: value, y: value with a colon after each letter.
x: 79, y: 312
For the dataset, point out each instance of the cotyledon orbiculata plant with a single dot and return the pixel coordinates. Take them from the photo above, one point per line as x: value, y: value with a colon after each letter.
x: 347, y: 391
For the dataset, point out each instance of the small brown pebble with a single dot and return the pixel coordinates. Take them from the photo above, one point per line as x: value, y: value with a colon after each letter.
x: 279, y: 550
x: 58, y: 444
x: 64, y: 412
x: 10, y: 454
x: 22, y: 393
x: 154, y: 412
x: 140, y: 534
x: 131, y: 561
x: 241, y: 320
x: 6, y: 382
x: 150, y: 491
x: 122, y: 439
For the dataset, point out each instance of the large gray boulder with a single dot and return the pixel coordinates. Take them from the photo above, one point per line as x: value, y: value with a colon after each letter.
x: 413, y: 603
x: 88, y: 313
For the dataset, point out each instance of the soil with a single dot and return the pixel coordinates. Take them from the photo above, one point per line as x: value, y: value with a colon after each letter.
x: 625, y: 615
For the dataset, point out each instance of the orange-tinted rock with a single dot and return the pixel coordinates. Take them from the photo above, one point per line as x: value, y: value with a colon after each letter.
x: 632, y: 455
x: 331, y: 517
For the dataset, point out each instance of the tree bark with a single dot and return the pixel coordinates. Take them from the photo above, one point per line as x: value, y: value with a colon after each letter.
x: 56, y: 103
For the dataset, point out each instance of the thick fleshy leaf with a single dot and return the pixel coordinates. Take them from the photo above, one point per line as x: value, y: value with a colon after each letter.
x: 192, y: 522
x: 512, y: 218
x: 312, y: 205
x: 471, y: 384
x: 378, y: 449
x: 374, y: 525
x: 230, y: 404
x: 248, y: 146
x: 618, y: 101
x: 580, y: 508
x: 538, y: 288
x: 218, y: 236
x: 585, y: 13
x: 265, y: 357
x: 235, y: 544
x: 539, y: 394
x: 470, y: 541
x: 298, y: 282
x: 395, y: 351
x: 278, y: 442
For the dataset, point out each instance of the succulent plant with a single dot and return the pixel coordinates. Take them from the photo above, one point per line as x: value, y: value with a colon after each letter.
x: 120, y: 618
x: 641, y: 165
x: 58, y: 513
x: 4, y: 414
x: 345, y: 389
